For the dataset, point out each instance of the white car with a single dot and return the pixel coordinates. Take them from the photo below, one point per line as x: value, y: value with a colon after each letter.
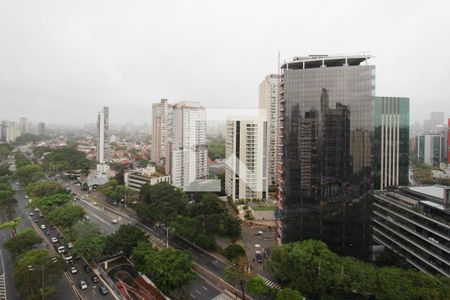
x: 26, y: 197
x: 43, y: 227
x: 94, y: 203
x: 73, y: 270
x: 114, y: 221
x: 83, y: 285
x: 31, y: 213
x: 54, y: 239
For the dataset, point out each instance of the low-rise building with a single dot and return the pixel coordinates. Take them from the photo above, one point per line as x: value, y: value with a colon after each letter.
x: 137, y: 178
x: 415, y: 223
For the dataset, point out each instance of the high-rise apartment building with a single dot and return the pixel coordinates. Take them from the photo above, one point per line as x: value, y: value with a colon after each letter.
x: 429, y: 149
x: 23, y: 126
x: 3, y: 129
x: 391, y: 141
x: 189, y: 151
x: 268, y: 101
x: 103, y: 140
x: 327, y: 151
x: 162, y: 131
x: 246, y: 170
x: 448, y: 142
x: 41, y: 128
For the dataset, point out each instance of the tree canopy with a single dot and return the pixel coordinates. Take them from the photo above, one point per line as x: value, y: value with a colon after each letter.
x: 257, y: 287
x: 90, y: 246
x: 66, y: 215
x: 124, y: 239
x: 45, y: 188
x: 47, y: 203
x: 311, y: 268
x: 28, y: 174
x: 35, y: 269
x: 22, y: 242
x: 170, y: 269
x: 7, y: 199
x: 234, y: 251
x: 65, y: 159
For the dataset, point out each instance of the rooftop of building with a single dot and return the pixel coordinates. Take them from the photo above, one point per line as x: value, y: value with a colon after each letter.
x: 317, y: 61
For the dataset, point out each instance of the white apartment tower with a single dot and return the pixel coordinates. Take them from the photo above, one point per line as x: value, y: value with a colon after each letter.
x: 103, y: 140
x: 246, y: 174
x: 162, y: 125
x: 268, y: 95
x: 189, y: 151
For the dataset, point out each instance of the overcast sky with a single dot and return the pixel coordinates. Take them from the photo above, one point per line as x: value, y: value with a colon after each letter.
x: 61, y: 61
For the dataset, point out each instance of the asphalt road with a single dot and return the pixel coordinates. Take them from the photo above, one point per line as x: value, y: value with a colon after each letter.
x: 200, y: 289
x: 63, y: 288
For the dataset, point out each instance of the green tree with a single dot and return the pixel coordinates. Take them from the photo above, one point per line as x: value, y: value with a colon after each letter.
x: 216, y: 148
x: 161, y: 202
x: 11, y: 225
x: 45, y: 188
x: 66, y: 159
x: 288, y: 294
x: 256, y: 286
x: 4, y: 171
x: 66, y: 215
x: 5, y: 151
x: 234, y: 251
x: 90, y: 246
x: 35, y: 274
x: 22, y: 242
x: 48, y: 203
x: 83, y: 227
x: 21, y: 159
x: 7, y: 199
x: 127, y: 237
x: 28, y: 173
x: 170, y: 269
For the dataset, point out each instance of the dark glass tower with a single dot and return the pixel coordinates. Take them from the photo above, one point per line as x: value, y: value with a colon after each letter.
x: 327, y: 152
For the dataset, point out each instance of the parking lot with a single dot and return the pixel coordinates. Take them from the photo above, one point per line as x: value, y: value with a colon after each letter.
x: 87, y: 283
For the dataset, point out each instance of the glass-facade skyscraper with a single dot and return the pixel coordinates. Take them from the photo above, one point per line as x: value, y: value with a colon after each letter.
x: 327, y: 152
x: 391, y: 141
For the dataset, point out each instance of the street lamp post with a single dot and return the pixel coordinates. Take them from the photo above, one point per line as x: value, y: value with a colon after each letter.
x: 54, y: 260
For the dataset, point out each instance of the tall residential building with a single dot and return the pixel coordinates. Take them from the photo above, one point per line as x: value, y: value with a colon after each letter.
x: 162, y: 131
x: 391, y: 141
x: 414, y: 222
x: 246, y: 170
x: 327, y: 151
x: 448, y: 142
x: 23, y: 126
x: 268, y: 100
x: 189, y: 151
x: 3, y: 130
x: 429, y: 149
x: 41, y: 128
x: 103, y: 140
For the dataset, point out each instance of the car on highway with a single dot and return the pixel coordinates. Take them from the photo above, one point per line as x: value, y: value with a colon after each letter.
x: 31, y: 213
x: 73, y: 270
x: 54, y: 239
x: 27, y: 197
x: 36, y: 220
x: 69, y: 245
x: 61, y: 249
x: 94, y: 203
x: 36, y: 209
x: 43, y: 227
x: 87, y: 269
x: 103, y: 290
x: 94, y: 279
x: 114, y: 221
x: 83, y: 285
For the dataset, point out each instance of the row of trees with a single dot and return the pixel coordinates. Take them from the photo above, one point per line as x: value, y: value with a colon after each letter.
x: 310, y: 267
x: 198, y: 220
x: 67, y: 158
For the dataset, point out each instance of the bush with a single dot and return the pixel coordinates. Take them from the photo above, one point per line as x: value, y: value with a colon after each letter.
x: 234, y: 251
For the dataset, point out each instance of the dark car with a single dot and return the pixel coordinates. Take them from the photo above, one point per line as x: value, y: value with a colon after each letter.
x: 52, y: 227
x: 94, y: 279
x: 36, y: 220
x: 103, y: 290
x: 87, y: 269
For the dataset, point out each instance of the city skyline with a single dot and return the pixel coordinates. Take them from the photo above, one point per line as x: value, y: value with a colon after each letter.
x: 125, y: 61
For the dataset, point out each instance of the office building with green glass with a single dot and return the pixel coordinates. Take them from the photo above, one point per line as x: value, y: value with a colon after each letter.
x: 391, y: 141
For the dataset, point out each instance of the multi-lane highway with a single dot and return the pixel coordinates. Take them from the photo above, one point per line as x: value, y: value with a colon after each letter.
x: 8, y: 289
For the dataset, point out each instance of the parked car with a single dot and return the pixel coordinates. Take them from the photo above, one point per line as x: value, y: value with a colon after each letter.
x: 83, y: 285
x: 114, y: 221
x: 103, y: 290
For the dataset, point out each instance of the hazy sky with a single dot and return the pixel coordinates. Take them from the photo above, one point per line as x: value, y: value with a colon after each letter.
x: 60, y: 61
